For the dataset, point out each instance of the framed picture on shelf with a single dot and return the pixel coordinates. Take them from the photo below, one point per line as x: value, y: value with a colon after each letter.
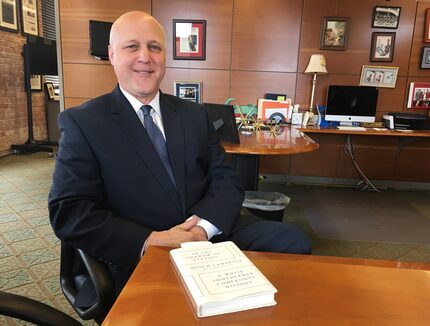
x: 419, y: 96
x: 425, y: 59
x: 379, y: 76
x: 50, y: 91
x: 9, y: 16
x: 188, y: 90
x: 427, y: 26
x: 29, y: 20
x: 334, y: 33
x: 36, y: 82
x: 189, y: 39
x: 386, y: 17
x: 382, y: 46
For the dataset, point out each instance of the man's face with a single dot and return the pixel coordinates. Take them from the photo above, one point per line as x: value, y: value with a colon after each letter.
x: 137, y: 53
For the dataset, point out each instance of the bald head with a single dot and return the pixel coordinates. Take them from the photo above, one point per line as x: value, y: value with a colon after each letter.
x: 137, y: 54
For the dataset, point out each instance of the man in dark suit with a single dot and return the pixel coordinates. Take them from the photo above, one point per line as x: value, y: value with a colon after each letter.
x: 115, y: 192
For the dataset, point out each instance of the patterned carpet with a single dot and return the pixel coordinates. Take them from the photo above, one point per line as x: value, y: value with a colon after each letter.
x: 29, y: 251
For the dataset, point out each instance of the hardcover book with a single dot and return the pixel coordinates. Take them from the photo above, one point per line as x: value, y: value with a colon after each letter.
x: 218, y: 278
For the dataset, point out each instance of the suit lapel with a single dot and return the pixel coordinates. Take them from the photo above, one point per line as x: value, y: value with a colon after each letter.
x: 131, y: 126
x: 173, y: 129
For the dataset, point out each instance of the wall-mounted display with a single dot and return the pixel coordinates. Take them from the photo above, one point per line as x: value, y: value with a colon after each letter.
x: 425, y: 60
x: 386, y: 17
x: 188, y: 90
x: 427, y: 26
x: 29, y: 20
x: 36, y: 82
x: 382, y: 46
x: 8, y: 15
x: 334, y: 33
x: 419, y: 96
x: 379, y: 76
x: 189, y: 39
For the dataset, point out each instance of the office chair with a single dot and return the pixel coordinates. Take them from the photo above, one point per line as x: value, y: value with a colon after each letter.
x: 94, y: 271
x: 36, y: 312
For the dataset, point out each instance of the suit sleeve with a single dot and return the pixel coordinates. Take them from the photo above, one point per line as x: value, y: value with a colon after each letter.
x: 78, y: 207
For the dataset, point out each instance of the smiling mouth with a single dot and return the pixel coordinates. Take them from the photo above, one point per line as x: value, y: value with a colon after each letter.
x: 143, y: 72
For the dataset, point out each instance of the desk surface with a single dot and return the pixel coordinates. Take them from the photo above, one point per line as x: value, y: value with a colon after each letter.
x: 289, y: 141
x: 368, y: 132
x: 312, y: 290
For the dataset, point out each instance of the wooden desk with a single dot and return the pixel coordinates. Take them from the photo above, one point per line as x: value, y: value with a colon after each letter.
x: 368, y: 132
x: 246, y: 155
x: 312, y: 290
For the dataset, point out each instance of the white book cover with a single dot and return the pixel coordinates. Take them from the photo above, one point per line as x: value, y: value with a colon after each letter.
x: 219, y: 278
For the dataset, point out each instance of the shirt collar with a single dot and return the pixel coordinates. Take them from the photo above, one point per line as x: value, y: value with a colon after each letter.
x: 136, y: 104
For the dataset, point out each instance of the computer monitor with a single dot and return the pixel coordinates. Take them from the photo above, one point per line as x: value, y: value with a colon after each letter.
x: 349, y: 104
x: 99, y: 39
x: 42, y: 55
x: 224, y: 122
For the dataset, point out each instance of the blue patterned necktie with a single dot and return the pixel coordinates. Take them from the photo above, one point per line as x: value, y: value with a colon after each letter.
x: 157, y: 139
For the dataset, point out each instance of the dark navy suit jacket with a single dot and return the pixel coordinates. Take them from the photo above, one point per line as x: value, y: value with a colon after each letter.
x: 110, y: 190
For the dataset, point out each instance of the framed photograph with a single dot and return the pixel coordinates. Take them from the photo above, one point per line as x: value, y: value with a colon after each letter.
x: 188, y: 90
x: 334, y: 33
x: 419, y: 96
x: 379, y: 76
x: 382, y: 46
x: 36, y: 82
x: 29, y: 21
x: 50, y: 91
x: 427, y: 26
x: 8, y: 15
x: 386, y: 17
x: 189, y: 41
x: 425, y: 60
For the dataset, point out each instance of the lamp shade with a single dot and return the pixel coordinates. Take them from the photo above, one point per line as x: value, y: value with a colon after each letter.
x: 317, y: 65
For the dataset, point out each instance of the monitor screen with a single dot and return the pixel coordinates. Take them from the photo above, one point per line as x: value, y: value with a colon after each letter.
x: 42, y: 54
x: 224, y: 122
x: 99, y: 39
x: 348, y: 104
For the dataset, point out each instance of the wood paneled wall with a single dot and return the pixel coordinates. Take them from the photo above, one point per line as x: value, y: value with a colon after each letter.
x: 254, y: 47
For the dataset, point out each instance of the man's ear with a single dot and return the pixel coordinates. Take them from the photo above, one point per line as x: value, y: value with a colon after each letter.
x: 111, y: 53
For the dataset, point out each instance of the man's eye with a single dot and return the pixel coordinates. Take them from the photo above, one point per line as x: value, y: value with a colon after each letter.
x: 155, y: 48
x: 131, y: 46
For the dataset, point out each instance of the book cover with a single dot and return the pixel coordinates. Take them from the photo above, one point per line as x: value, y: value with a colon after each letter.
x: 218, y: 278
x: 275, y: 110
x: 419, y: 96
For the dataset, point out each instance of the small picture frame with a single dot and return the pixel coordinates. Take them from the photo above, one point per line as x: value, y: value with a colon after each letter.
x: 382, y: 46
x: 425, y: 59
x: 29, y: 17
x: 36, y: 83
x: 189, y: 39
x: 419, y: 95
x: 379, y: 76
x: 9, y: 16
x: 427, y: 26
x: 188, y: 90
x: 334, y: 33
x: 386, y: 17
x: 50, y: 91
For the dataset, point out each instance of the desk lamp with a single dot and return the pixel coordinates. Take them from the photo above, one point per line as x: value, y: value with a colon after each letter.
x: 317, y: 65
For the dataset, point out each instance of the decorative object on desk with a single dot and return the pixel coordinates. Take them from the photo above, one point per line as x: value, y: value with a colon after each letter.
x: 275, y: 97
x: 427, y: 26
x: 36, y: 83
x: 297, y: 118
x: 188, y: 90
x: 322, y: 122
x: 386, y: 17
x: 379, y: 76
x: 49, y: 91
x: 382, y: 46
x: 316, y: 65
x: 8, y: 16
x: 305, y: 120
x: 334, y: 33
x: 29, y: 17
x: 274, y: 129
x: 189, y: 39
x: 425, y: 60
x: 419, y: 96
x: 219, y: 278
x: 249, y: 110
x: 274, y: 110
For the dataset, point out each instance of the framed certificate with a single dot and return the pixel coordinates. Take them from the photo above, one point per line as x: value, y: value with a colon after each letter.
x: 29, y: 16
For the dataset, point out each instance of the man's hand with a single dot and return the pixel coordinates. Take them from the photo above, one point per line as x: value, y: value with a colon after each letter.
x: 187, y: 231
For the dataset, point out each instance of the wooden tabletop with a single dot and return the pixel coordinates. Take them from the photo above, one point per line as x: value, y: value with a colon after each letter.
x: 289, y: 141
x: 367, y: 132
x: 312, y: 290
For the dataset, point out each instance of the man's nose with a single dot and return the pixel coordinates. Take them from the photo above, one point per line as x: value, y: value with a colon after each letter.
x: 144, y: 54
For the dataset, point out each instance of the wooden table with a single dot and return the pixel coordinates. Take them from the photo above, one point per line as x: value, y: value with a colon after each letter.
x: 246, y: 155
x: 312, y: 290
